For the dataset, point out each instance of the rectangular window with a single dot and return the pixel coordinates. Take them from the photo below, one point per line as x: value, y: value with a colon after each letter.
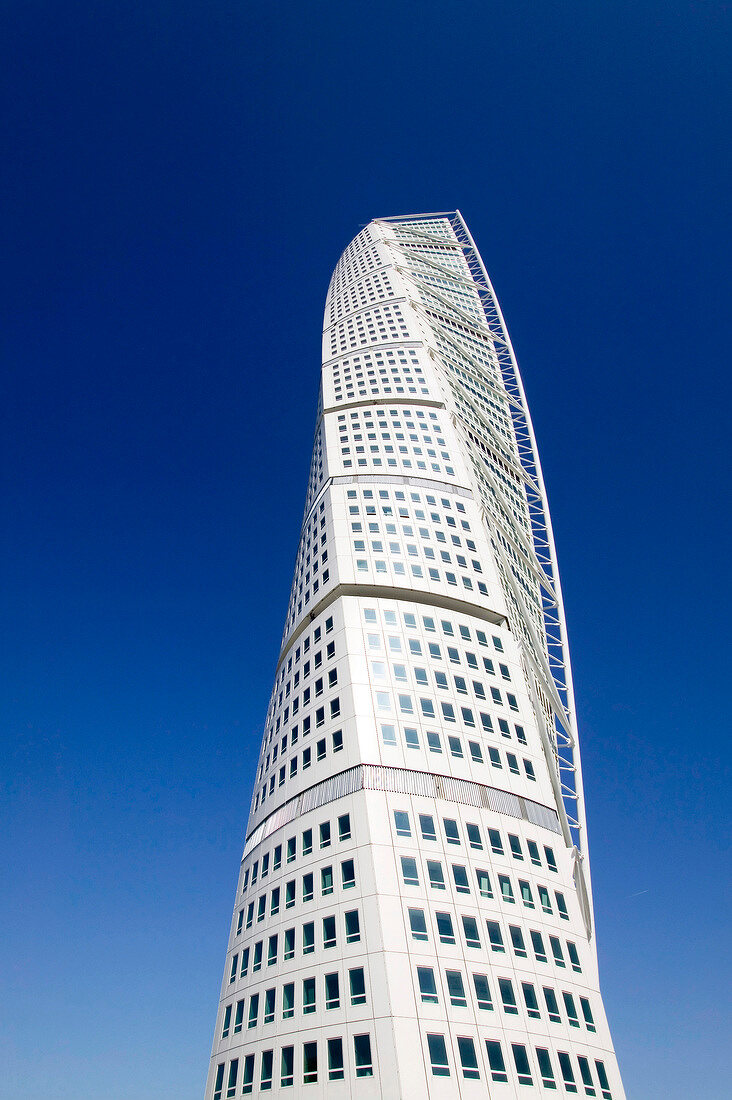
x: 357, y: 985
x: 508, y: 997
x: 288, y: 1001
x: 532, y: 1005
x: 287, y: 1067
x: 401, y: 823
x: 521, y: 1061
x: 289, y: 944
x: 308, y: 996
x: 307, y: 842
x: 257, y: 959
x: 353, y: 927
x: 552, y: 1006
x: 484, y: 884
x: 587, y: 1013
x: 427, y: 827
x: 495, y: 1060
x: 332, y: 991
x: 545, y: 1068
x: 308, y: 938
x: 602, y: 1078
x: 571, y: 1008
x: 239, y: 1018
x: 574, y: 956
x: 335, y: 1059
x: 233, y: 1074
x: 309, y: 1063
x: 326, y: 881
x: 253, y: 1010
x: 470, y: 930
x: 561, y: 905
x: 586, y: 1075
x: 329, y: 932
x: 409, y: 871
x: 538, y: 944
x: 436, y: 876
x: 219, y: 1082
x: 291, y: 849
x: 504, y: 883
x: 557, y: 951
x: 438, y: 1055
x: 444, y: 927
x: 227, y: 1022
x: 272, y: 950
x: 348, y: 874
x: 362, y: 1055
x: 417, y: 924
x: 517, y: 941
x: 247, y: 1081
x: 494, y: 935
x: 455, y: 988
x: 565, y: 1064
x: 269, y: 1006
x: 495, y: 841
x: 344, y: 827
x: 468, y: 1059
x: 482, y: 992
x: 427, y: 987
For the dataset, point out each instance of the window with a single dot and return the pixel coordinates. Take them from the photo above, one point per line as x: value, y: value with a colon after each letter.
x: 557, y: 951
x: 353, y: 928
x: 234, y: 965
x: 565, y: 1064
x: 233, y: 1073
x: 287, y: 1070
x: 484, y: 884
x: 538, y: 944
x: 335, y: 1059
x: 545, y: 1068
x: 239, y: 1018
x: 521, y: 1060
x: 272, y: 950
x: 417, y: 924
x: 515, y: 845
x: 438, y: 1055
x: 326, y: 881
x: 474, y: 838
x: 468, y: 1059
x: 460, y: 878
x: 227, y: 1022
x: 357, y: 986
x: 291, y: 849
x: 427, y: 987
x: 475, y: 752
x: 494, y: 935
x: 219, y: 1082
x: 307, y: 842
x: 586, y: 1075
x: 451, y: 830
x: 247, y: 1080
x: 444, y: 928
x: 307, y: 887
x: 552, y: 1007
x: 532, y: 1005
x: 602, y: 1078
x: 329, y: 932
x: 275, y: 902
x: 470, y: 930
x: 517, y: 941
x: 571, y: 1009
x: 253, y: 1010
x: 288, y: 1001
x: 409, y: 871
x: 401, y: 823
x: 573, y: 956
x: 257, y: 960
x: 508, y: 996
x: 526, y: 896
x: 308, y: 995
x: 544, y: 899
x: 587, y: 1013
x: 269, y: 1006
x: 506, y: 889
x: 427, y: 827
x: 344, y: 827
x: 348, y: 874
x: 495, y: 841
x: 561, y: 905
x: 495, y: 1060
x: 332, y: 991
x: 308, y: 938
x: 455, y: 988
x: 289, y: 944
x: 309, y: 1063
x: 435, y: 873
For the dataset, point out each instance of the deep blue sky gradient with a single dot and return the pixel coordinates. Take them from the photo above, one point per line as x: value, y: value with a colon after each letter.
x: 178, y: 182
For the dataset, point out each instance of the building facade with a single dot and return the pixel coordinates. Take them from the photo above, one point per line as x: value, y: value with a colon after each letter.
x: 413, y: 916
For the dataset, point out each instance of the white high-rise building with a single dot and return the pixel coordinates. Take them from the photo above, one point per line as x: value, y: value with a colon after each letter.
x: 413, y: 914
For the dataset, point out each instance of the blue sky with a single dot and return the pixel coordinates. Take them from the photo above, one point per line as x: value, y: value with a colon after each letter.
x: 179, y: 181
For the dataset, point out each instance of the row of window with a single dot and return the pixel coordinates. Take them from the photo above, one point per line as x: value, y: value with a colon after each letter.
x: 306, y: 757
x: 390, y: 618
x: 433, y: 739
x: 456, y: 996
x: 234, y: 1015
x: 381, y: 566
x: 436, y: 877
x: 333, y: 709
x: 473, y: 838
x: 326, y: 879
x: 325, y: 836
x: 444, y: 931
x: 352, y: 931
x: 225, y: 1085
x: 303, y: 649
x: 543, y: 1071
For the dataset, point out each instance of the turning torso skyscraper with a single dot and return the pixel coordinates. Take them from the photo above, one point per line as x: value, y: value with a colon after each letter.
x: 413, y: 915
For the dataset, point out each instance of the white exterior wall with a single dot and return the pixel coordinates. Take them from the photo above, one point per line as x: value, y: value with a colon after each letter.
x: 410, y: 692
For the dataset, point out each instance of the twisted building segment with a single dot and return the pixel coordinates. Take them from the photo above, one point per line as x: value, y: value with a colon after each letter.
x: 413, y: 915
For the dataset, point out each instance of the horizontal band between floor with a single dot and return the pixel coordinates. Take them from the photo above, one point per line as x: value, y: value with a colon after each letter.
x: 379, y: 777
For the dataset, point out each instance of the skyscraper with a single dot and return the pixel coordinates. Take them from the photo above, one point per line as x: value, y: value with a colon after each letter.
x: 413, y: 915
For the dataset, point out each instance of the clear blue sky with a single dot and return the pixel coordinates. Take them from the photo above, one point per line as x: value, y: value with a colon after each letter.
x: 179, y: 180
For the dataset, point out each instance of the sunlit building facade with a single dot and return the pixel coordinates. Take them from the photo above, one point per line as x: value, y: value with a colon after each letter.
x: 413, y: 914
